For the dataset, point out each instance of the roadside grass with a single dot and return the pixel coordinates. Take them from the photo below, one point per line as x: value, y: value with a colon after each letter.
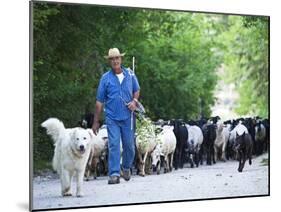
x: 264, y: 162
x: 41, y: 166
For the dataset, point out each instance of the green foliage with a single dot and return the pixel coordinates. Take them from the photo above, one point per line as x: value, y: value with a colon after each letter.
x: 246, y: 60
x: 176, y: 53
x: 145, y: 131
x: 42, y: 165
x: 264, y: 162
x: 171, y: 64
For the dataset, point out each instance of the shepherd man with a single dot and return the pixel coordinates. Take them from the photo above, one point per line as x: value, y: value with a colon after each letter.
x: 118, y: 94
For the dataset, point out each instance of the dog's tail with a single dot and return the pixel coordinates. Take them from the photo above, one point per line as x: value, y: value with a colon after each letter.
x: 55, y: 128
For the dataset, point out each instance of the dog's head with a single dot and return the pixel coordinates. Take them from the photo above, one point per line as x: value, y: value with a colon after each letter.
x: 81, y: 139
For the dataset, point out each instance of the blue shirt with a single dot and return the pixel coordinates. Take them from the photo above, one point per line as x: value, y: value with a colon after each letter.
x: 114, y: 95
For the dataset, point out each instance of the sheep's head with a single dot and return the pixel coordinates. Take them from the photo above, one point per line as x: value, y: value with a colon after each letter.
x: 156, y: 155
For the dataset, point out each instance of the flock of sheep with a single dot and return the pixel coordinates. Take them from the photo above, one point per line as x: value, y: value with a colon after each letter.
x: 171, y: 144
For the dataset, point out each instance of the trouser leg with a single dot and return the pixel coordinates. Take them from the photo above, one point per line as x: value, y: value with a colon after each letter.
x: 114, y: 134
x: 127, y: 135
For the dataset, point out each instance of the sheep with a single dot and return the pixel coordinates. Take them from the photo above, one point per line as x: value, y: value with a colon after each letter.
x: 266, y: 124
x: 145, y: 143
x: 260, y: 138
x: 166, y: 146
x: 239, y: 129
x: 214, y: 119
x: 221, y: 141
x: 194, y: 142
x: 98, y: 154
x: 181, y: 134
x: 209, y: 134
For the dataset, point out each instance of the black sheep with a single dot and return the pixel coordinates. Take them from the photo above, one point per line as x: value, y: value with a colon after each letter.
x: 265, y: 123
x: 250, y: 124
x: 181, y: 134
x: 215, y: 119
x: 87, y: 121
x: 260, y: 138
x: 209, y: 134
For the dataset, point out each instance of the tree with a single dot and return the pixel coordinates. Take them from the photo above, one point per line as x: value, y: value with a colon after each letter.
x: 177, y: 55
x: 246, y: 60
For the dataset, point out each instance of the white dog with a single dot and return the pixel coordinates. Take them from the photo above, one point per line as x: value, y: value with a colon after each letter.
x: 72, y: 149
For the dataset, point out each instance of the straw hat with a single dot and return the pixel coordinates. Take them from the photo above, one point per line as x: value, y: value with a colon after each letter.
x: 114, y: 52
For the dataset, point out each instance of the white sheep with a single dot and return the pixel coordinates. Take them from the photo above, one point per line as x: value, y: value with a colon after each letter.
x: 98, y: 150
x: 166, y: 145
x: 239, y: 129
x: 221, y: 140
x: 194, y: 142
x: 145, y: 143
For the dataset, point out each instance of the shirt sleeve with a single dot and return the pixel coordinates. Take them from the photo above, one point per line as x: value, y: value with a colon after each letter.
x: 136, y: 86
x: 101, y: 93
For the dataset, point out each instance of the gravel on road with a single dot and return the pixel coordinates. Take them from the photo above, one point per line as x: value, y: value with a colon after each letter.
x: 216, y: 181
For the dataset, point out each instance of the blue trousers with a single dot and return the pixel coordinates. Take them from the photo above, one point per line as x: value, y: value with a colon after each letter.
x: 120, y: 131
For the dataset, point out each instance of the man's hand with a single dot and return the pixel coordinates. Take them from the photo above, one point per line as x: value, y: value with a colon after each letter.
x: 96, y: 124
x: 132, y: 105
x: 95, y: 127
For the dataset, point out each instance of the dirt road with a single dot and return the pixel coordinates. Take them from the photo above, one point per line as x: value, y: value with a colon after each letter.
x: 219, y: 180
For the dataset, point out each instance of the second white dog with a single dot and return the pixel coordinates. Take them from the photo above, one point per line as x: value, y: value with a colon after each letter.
x: 72, y: 149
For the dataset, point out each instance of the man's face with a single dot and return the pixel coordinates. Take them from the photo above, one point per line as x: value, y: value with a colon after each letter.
x: 115, y: 62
